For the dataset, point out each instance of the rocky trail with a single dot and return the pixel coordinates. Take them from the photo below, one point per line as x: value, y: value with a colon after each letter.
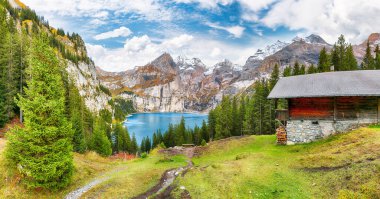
x: 161, y: 190
x: 76, y: 194
x: 164, y: 188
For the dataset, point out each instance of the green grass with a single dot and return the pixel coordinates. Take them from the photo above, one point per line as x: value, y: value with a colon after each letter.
x: 375, y: 126
x: 138, y: 176
x: 343, y: 166
x: 127, y: 178
x: 87, y: 167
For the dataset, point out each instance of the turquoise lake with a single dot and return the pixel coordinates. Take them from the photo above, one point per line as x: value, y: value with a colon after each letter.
x: 145, y: 124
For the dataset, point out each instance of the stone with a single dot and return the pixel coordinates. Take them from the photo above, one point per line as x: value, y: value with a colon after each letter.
x: 305, y: 131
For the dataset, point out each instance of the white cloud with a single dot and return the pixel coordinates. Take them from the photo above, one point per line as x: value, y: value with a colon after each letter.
x: 136, y: 51
x: 139, y: 51
x: 328, y: 18
x: 215, y: 52
x: 236, y: 31
x: 120, y: 32
x: 178, y: 42
x: 97, y: 22
x: 207, y: 3
x: 137, y: 44
x: 102, y: 15
x: 148, y: 9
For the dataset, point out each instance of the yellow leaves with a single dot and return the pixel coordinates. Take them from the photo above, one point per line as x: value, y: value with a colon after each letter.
x: 21, y: 4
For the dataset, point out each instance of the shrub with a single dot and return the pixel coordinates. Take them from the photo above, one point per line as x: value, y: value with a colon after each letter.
x: 203, y: 143
x: 144, y: 155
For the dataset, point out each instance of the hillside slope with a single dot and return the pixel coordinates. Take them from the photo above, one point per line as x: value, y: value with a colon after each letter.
x: 342, y: 166
x: 70, y: 48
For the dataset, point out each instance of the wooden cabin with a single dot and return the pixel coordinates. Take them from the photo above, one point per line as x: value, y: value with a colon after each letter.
x: 326, y: 103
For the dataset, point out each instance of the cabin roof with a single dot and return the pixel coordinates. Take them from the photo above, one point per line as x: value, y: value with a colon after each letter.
x: 330, y: 84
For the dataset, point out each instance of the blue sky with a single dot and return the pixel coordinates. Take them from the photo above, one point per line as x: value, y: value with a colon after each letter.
x: 122, y: 34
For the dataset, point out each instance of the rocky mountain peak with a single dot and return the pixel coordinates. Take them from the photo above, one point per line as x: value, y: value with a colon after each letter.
x: 297, y: 39
x: 267, y: 51
x: 373, y: 39
x: 315, y: 39
x: 185, y: 63
x: 164, y: 62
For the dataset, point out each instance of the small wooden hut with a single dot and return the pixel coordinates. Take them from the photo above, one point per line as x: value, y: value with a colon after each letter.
x: 326, y: 103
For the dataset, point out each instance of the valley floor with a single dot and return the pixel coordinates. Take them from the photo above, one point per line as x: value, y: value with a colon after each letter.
x: 343, y: 166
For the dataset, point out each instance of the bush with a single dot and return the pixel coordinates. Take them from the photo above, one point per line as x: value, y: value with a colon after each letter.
x: 165, y: 159
x: 162, y: 145
x: 203, y: 143
x: 105, y: 90
x: 144, y: 155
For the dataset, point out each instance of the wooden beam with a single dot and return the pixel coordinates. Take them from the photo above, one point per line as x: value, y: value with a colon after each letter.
x: 335, y: 109
x: 378, y: 110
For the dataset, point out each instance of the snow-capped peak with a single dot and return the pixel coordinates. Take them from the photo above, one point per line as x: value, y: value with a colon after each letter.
x: 226, y: 65
x: 315, y: 39
x: 311, y: 39
x: 297, y: 39
x: 268, y: 50
x: 185, y: 63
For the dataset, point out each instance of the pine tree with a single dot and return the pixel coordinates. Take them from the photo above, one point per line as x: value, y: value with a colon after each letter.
x: 296, y: 69
x: 303, y: 69
x: 42, y: 150
x: 197, y: 136
x: 312, y: 69
x: 287, y: 71
x: 148, y: 145
x: 242, y: 110
x: 134, y: 146
x: 368, y: 61
x: 249, y: 118
x: 324, y: 61
x: 127, y: 142
x: 3, y: 68
x: 143, y: 146
x: 342, y: 56
x: 377, y: 58
x: 211, y: 123
x: 350, y: 60
x: 224, y: 120
x: 275, y: 76
x: 235, y: 131
x: 155, y: 141
x: 100, y: 142
x: 76, y: 106
x: 204, y: 132
x: 180, y: 133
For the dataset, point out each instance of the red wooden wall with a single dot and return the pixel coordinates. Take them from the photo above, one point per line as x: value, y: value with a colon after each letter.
x: 311, y: 108
x: 356, y: 107
x: 339, y: 108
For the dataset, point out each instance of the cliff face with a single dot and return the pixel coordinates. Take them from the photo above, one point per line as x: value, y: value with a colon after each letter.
x: 85, y: 79
x: 166, y: 85
x: 71, y: 50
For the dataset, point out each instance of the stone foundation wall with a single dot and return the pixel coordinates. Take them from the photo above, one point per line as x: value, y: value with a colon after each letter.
x: 305, y: 131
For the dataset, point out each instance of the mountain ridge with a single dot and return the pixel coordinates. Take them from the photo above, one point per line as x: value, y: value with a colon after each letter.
x: 187, y: 84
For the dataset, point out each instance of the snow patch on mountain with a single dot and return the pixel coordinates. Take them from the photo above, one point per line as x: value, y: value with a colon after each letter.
x: 185, y: 63
x: 268, y: 50
x: 243, y: 84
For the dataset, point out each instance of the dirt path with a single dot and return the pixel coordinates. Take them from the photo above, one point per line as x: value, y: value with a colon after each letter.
x: 79, y: 192
x: 160, y: 190
x: 163, y: 189
x: 76, y: 194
